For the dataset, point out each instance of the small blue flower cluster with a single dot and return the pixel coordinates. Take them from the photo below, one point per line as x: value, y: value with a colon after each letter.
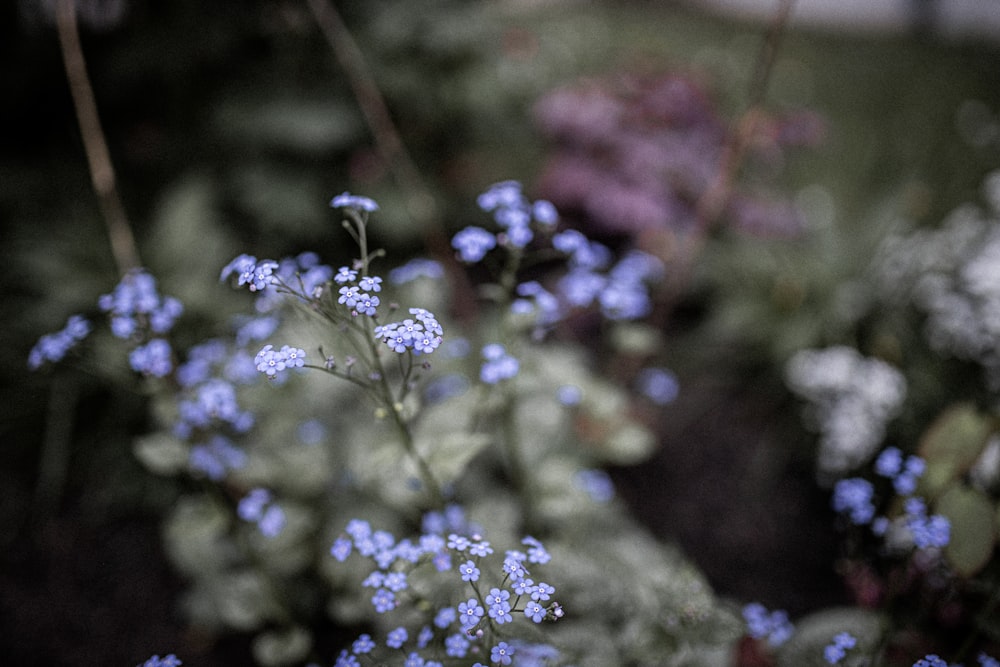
x: 258, y: 507
x: 251, y: 272
x: 53, y: 347
x: 270, y: 362
x: 136, y: 312
x: 460, y: 629
x: 927, y: 531
x: 169, y: 660
x: 773, y: 626
x: 620, y: 291
x: 854, y: 496
x: 135, y: 304
x: 420, y: 335
x: 836, y: 651
x: 498, y: 365
x: 302, y: 276
x: 216, y: 457
x: 357, y: 294
x: 933, y: 660
x: 513, y: 213
x: 904, y: 473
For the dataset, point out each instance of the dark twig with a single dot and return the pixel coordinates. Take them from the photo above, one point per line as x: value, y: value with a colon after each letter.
x: 102, y: 173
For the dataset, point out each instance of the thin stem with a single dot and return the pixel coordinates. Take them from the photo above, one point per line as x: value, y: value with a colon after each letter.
x: 102, y: 173
x: 713, y: 201
x: 420, y: 203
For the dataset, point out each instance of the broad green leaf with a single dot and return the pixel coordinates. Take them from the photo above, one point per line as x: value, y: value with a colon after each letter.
x: 161, y: 453
x: 814, y: 632
x: 450, y: 454
x: 284, y: 647
x: 951, y: 445
x: 973, y: 531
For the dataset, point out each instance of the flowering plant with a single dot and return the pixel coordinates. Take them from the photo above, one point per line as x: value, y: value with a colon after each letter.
x: 445, y: 500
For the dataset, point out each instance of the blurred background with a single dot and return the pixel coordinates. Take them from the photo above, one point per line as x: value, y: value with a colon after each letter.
x: 232, y: 123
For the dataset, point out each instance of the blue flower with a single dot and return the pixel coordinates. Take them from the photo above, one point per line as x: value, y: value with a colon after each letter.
x: 154, y: 358
x: 595, y: 483
x: 481, y: 548
x: 346, y: 659
x: 470, y: 613
x: 931, y: 660
x: 534, y: 611
x: 415, y: 269
x: 889, y: 462
x: 542, y: 592
x: 370, y: 284
x: 169, y: 660
x: 345, y: 274
x: 271, y: 362
x: 987, y: 661
x: 384, y: 600
x: 544, y: 213
x: 499, y: 365
x: 456, y: 645
x: 501, y: 653
x: 217, y: 457
x: 472, y: 244
x: 258, y: 275
x: 363, y: 644
x: 366, y: 304
x: 347, y: 200
x: 53, y: 347
x: 445, y: 617
x: 256, y: 507
x: 341, y: 549
x: 536, y: 552
x: 658, y: 385
x: 396, y: 637
x: 854, y: 496
x: 469, y: 571
x: 761, y: 624
x: 933, y: 531
x: 836, y: 651
x: 523, y: 586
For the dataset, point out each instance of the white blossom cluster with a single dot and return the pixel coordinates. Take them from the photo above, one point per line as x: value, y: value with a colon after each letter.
x: 851, y: 400
x: 953, y: 275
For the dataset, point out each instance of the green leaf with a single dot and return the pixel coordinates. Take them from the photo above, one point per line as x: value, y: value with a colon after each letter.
x: 951, y: 445
x: 814, y: 632
x: 161, y: 453
x: 285, y: 647
x: 973, y: 530
x: 449, y: 454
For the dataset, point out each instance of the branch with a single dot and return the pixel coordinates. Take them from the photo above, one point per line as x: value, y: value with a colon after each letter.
x: 102, y: 173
